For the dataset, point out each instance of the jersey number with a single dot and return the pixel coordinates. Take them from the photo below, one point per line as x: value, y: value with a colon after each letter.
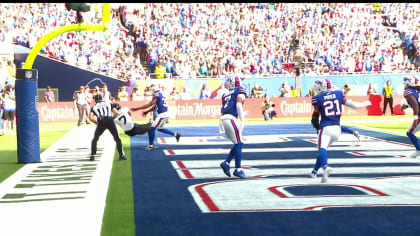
x: 227, y: 99
x: 123, y: 118
x: 329, y: 107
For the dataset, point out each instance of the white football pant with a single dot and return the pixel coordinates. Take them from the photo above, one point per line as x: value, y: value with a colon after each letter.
x: 328, y: 135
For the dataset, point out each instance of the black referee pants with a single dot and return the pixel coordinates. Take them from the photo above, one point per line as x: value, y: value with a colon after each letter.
x: 103, y: 124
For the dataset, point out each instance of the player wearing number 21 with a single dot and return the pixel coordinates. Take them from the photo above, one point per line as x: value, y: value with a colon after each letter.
x: 328, y: 105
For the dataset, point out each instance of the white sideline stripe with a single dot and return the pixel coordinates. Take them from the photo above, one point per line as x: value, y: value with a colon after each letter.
x: 280, y: 162
x: 253, y: 172
x: 81, y: 215
x: 173, y: 152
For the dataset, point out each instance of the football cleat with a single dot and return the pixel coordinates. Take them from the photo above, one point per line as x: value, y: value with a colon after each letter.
x: 415, y: 154
x: 92, y: 157
x: 151, y: 147
x: 240, y: 174
x: 313, y: 174
x: 122, y: 158
x: 177, y: 136
x: 325, y: 174
x: 226, y: 168
x: 357, y: 135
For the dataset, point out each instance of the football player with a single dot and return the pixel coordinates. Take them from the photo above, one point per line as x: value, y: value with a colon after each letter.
x: 411, y: 94
x: 123, y: 119
x: 158, y: 103
x: 232, y: 123
x: 328, y: 104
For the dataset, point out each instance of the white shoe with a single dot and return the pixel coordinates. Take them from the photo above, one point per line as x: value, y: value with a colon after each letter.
x: 415, y: 154
x: 325, y: 174
x: 357, y: 135
x: 312, y: 175
x: 151, y: 147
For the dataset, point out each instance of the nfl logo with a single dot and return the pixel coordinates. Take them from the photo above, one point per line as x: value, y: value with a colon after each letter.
x: 28, y: 74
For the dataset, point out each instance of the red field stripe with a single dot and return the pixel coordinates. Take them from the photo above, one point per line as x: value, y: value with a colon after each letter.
x: 171, y: 152
x: 162, y: 140
x: 180, y: 164
x: 359, y: 153
x: 188, y: 174
x: 206, y: 198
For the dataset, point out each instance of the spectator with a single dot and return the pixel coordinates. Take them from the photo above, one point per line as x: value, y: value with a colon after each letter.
x: 371, y: 89
x: 136, y: 95
x: 174, y: 95
x: 388, y: 93
x: 122, y: 94
x: 205, y: 92
x: 49, y: 95
x: 346, y: 89
x: 80, y: 104
x: 160, y: 70
x: 284, y: 89
x: 268, y: 109
x: 294, y: 93
x: 257, y: 91
x: 185, y: 94
x: 9, y: 109
x: 106, y: 94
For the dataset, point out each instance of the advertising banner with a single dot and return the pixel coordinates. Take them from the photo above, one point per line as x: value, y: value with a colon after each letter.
x: 210, y: 109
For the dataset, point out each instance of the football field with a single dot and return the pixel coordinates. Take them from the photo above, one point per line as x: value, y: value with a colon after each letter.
x: 180, y: 189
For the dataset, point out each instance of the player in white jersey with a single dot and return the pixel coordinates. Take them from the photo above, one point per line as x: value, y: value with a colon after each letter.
x: 123, y: 119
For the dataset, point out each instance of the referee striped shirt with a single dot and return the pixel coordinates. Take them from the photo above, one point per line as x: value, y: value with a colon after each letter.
x: 102, y: 110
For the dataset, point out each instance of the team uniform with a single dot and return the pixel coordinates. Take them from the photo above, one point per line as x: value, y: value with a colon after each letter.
x: 162, y: 117
x: 415, y: 126
x: 329, y: 104
x: 124, y: 120
x: 330, y: 108
x: 230, y: 125
x: 103, y: 112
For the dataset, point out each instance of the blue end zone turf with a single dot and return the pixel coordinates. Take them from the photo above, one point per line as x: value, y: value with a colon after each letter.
x: 165, y: 206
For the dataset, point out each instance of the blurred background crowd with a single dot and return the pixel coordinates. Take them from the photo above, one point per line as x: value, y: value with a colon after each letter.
x: 190, y: 40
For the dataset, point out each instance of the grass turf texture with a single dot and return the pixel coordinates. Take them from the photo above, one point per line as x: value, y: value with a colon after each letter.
x: 119, y: 214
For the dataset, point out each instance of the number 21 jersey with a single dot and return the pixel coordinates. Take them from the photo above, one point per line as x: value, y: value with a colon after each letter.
x: 330, y: 106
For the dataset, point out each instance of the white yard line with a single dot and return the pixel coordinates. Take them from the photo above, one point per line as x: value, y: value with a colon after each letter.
x: 63, y: 195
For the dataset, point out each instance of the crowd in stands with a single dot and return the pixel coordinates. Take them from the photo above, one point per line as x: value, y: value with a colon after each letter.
x: 190, y: 40
x: 193, y: 40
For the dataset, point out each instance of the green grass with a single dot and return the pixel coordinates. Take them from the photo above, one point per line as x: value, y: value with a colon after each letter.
x: 119, y: 211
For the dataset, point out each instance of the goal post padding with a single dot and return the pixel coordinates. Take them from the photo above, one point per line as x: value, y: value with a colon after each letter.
x: 27, y: 119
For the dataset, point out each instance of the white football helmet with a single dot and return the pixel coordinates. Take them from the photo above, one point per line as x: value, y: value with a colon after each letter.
x: 321, y: 86
x: 410, y: 81
x: 154, y: 88
x: 234, y: 82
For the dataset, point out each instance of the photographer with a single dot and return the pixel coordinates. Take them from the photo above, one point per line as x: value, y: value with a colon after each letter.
x: 268, y: 109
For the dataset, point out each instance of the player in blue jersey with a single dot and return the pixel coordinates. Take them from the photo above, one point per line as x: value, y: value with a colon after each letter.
x: 411, y: 94
x: 328, y: 104
x: 158, y: 103
x: 345, y: 129
x: 232, y: 123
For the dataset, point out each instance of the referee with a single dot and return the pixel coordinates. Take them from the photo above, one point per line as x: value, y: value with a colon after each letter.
x: 102, y: 115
